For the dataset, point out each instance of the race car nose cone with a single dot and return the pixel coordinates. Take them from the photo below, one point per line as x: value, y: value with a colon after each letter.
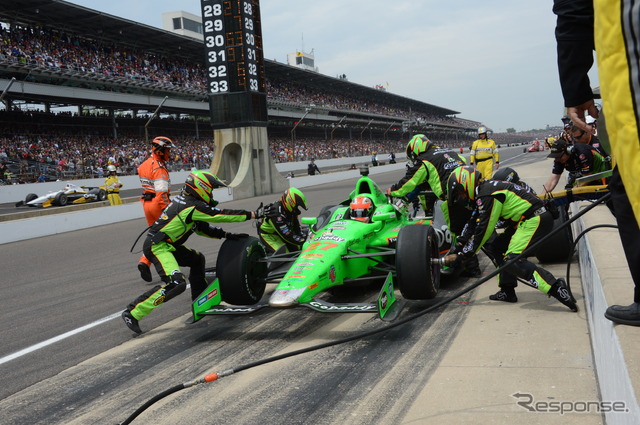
x: 284, y: 298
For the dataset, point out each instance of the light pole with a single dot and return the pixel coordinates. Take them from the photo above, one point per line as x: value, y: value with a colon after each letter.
x: 293, y: 133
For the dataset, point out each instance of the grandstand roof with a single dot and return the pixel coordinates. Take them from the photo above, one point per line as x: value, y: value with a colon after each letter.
x: 90, y: 23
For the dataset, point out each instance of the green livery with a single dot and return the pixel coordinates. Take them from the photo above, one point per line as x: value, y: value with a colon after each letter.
x: 392, y: 248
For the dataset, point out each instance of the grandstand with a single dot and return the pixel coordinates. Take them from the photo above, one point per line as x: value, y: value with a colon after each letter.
x: 115, y: 72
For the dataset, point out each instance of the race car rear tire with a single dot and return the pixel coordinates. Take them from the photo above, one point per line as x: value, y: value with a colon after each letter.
x: 557, y: 248
x: 60, y: 199
x: 30, y: 197
x: 417, y: 278
x: 102, y: 195
x: 241, y: 275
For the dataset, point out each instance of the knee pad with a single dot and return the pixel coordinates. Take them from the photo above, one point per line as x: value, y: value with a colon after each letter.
x: 521, y: 268
x: 175, y: 287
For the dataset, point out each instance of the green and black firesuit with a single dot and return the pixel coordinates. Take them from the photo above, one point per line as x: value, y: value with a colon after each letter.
x: 495, y: 200
x: 279, y: 228
x: 430, y: 171
x: 164, y: 247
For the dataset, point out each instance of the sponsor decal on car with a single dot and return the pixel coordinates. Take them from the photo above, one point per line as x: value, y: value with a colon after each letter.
x: 207, y: 296
x: 332, y: 274
x: 351, y: 307
x: 329, y: 237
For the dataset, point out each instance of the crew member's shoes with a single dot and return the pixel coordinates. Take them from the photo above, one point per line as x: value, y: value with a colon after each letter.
x: 561, y: 292
x: 625, y: 315
x: 145, y: 272
x: 131, y: 322
x: 507, y: 295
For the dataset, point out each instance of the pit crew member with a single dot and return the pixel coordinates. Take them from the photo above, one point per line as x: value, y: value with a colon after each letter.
x: 579, y: 159
x: 281, y: 226
x: 190, y: 212
x: 492, y: 200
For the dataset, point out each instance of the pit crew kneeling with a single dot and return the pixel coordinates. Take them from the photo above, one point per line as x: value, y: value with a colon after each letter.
x: 188, y: 213
x: 492, y: 200
x: 281, y: 226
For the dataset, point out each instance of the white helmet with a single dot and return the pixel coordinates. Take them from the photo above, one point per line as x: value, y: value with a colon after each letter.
x: 111, y: 168
x: 482, y: 130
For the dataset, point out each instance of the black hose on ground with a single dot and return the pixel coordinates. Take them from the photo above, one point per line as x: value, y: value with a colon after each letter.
x: 215, y: 376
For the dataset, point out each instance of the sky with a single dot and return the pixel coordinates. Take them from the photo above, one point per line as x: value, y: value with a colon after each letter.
x: 494, y: 61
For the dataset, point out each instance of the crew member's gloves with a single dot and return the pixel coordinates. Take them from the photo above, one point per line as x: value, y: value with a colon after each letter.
x: 452, y: 260
x: 269, y: 209
x: 235, y: 236
x: 259, y: 213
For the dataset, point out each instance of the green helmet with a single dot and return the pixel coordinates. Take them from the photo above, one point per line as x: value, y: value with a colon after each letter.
x: 200, y: 184
x: 292, y: 200
x: 461, y: 186
x: 417, y: 145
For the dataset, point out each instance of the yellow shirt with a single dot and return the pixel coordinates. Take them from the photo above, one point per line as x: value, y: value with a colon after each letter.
x: 112, y: 184
x: 484, y: 149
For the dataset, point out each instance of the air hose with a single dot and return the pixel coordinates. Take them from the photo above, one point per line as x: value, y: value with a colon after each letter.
x: 575, y: 243
x: 217, y: 375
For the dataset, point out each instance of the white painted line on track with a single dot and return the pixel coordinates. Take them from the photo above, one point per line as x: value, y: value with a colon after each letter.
x: 53, y: 340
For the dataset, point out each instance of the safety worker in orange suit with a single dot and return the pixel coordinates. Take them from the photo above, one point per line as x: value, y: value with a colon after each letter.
x: 113, y: 186
x: 156, y: 187
x: 484, y: 153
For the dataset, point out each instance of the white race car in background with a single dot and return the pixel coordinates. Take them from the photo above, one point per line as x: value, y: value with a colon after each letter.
x: 70, y: 194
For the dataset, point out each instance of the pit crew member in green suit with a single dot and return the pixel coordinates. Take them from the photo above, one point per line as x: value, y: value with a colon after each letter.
x: 431, y: 168
x: 492, y: 200
x: 281, y: 226
x: 190, y: 212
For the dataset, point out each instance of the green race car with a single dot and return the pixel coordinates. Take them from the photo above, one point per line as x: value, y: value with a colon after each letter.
x: 392, y: 248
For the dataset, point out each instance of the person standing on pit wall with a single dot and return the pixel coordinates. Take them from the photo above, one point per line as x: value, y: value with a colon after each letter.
x: 484, y: 153
x: 611, y: 27
x: 156, y: 187
x: 113, y: 185
x: 312, y: 168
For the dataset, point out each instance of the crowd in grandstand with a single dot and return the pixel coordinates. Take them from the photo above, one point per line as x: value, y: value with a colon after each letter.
x: 38, y: 145
x: 55, y: 49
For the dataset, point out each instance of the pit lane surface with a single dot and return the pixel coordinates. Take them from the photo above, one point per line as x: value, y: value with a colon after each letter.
x: 57, y: 284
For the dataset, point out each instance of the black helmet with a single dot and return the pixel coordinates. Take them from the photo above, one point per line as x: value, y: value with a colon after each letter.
x: 506, y: 174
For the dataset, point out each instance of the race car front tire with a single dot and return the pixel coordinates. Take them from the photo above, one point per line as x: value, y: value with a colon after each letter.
x: 241, y: 274
x: 417, y: 278
x: 60, y: 199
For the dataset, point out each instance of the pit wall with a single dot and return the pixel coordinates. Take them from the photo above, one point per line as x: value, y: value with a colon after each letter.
x: 33, y: 227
